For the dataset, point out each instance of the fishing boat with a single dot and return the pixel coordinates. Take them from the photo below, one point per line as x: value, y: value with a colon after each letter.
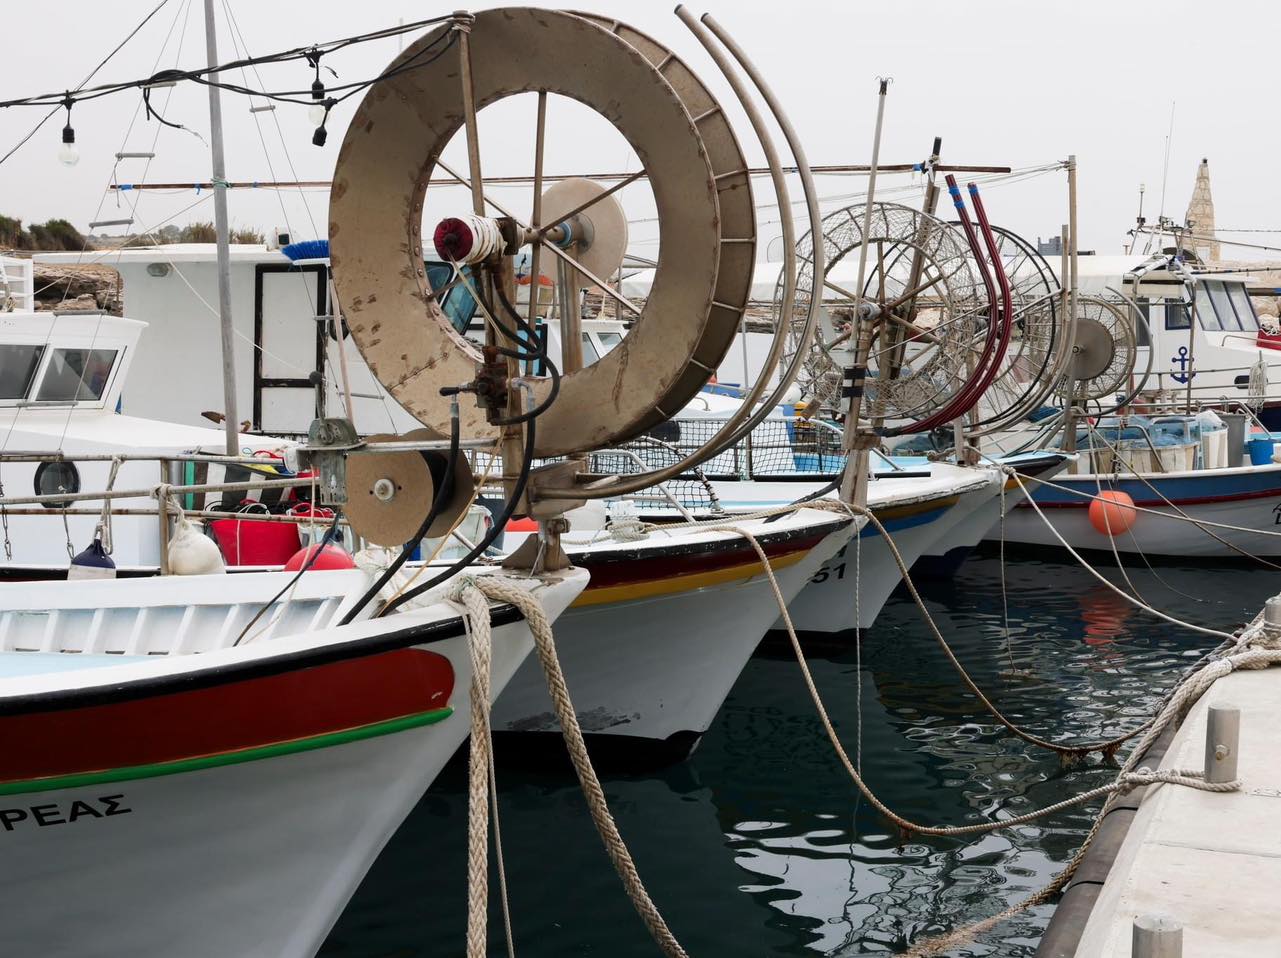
x: 293, y: 727
x: 1163, y: 487
x: 164, y: 733
x: 927, y: 507
x: 652, y: 647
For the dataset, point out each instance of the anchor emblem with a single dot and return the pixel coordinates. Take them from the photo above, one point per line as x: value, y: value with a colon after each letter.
x: 1182, y: 359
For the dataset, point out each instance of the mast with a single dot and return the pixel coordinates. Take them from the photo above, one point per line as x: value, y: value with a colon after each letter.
x: 232, y: 422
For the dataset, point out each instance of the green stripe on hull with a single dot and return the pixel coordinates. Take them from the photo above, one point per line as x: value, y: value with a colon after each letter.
x: 136, y: 772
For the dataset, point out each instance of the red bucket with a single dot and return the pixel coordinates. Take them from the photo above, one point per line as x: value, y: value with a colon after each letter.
x: 250, y: 542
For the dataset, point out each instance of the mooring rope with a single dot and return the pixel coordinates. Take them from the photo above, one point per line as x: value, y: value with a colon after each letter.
x: 1185, y: 692
x: 467, y: 593
x: 634, y: 530
x: 474, y: 591
x: 1217, y: 633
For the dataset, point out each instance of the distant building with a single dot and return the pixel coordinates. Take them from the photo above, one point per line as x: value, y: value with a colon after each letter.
x: 1200, y: 217
x: 1051, y: 247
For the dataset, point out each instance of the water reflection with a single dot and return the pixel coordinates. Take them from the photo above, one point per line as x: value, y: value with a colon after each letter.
x: 759, y: 844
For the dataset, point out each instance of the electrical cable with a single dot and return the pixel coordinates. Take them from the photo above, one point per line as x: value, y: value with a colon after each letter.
x: 443, y: 492
x: 307, y: 564
x: 500, y: 524
x: 541, y: 355
x: 92, y: 73
x: 297, y: 53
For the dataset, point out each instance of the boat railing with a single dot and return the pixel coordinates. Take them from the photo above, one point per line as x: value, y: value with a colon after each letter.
x: 1221, y: 404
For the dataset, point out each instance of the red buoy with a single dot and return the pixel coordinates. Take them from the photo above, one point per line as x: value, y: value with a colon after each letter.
x: 331, y: 557
x: 1113, y: 512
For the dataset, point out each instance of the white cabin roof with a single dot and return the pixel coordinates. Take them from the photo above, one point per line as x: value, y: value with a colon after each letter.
x: 171, y: 252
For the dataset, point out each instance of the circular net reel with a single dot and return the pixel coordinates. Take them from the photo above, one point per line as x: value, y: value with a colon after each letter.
x: 928, y: 303
x: 1031, y: 363
x: 391, y: 154
x: 1103, y: 354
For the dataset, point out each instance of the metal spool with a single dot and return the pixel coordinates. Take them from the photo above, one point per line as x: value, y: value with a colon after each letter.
x: 1031, y: 366
x: 1104, y: 351
x: 705, y: 214
x: 390, y: 493
x: 929, y: 303
x: 600, y: 231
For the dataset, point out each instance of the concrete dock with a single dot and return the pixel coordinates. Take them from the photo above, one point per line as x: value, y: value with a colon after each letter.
x: 1210, y: 861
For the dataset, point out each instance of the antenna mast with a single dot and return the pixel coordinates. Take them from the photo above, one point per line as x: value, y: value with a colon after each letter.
x: 231, y: 422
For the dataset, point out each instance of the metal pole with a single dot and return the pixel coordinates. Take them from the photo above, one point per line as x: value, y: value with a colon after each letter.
x: 162, y: 514
x: 1222, y: 743
x: 462, y: 26
x: 854, y: 479
x: 1069, y: 427
x: 232, y: 422
x: 1074, y: 239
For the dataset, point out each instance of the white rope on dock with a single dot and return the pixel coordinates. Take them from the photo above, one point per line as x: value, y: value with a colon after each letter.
x: 1256, y: 648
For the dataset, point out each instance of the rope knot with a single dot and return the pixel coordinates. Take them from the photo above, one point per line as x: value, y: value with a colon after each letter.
x: 628, y: 529
x: 460, y: 585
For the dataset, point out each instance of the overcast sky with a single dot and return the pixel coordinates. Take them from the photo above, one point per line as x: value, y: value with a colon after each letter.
x: 1011, y: 83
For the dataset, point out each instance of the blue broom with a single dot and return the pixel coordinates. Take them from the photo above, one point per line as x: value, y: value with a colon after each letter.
x: 307, y: 251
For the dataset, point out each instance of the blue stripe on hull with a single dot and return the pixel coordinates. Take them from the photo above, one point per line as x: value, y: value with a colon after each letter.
x: 1183, y: 490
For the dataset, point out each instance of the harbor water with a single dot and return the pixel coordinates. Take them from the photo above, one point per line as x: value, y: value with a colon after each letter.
x: 759, y: 845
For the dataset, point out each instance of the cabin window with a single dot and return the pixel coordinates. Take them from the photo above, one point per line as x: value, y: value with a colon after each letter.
x: 76, y: 375
x: 17, y: 369
x: 1223, y: 306
x: 1245, y: 309
x: 458, y: 303
x: 1176, y: 315
x: 590, y: 355
x: 53, y: 478
x: 1143, y: 328
x: 609, y: 340
x: 1205, y: 314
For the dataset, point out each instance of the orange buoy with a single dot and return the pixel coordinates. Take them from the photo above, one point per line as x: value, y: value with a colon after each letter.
x: 331, y: 557
x: 1112, y: 512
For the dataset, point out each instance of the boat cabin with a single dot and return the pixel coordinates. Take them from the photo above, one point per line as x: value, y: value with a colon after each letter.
x: 1201, y: 328
x: 286, y: 355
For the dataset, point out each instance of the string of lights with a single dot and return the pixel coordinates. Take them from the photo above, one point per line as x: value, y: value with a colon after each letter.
x: 319, y: 99
x: 67, y: 155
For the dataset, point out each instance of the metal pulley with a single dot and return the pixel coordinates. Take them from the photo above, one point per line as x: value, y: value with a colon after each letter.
x: 389, y: 494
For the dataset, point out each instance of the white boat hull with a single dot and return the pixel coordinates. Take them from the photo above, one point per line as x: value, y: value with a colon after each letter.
x: 243, y: 819
x: 1247, y: 497
x: 654, y: 670
x: 850, y: 589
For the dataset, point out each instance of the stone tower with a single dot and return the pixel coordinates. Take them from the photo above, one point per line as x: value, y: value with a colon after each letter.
x: 1200, y: 217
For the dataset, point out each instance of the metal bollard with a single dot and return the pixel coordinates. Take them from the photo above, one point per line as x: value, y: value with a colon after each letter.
x: 1156, y: 936
x: 1222, y: 743
x: 1272, y: 613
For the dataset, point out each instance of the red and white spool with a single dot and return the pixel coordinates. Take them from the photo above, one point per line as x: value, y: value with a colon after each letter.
x: 467, y: 239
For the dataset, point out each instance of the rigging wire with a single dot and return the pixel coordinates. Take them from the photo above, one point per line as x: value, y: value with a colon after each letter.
x: 92, y: 73
x: 202, y: 75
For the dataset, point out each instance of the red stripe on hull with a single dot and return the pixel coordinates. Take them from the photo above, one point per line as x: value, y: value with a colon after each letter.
x: 226, y: 718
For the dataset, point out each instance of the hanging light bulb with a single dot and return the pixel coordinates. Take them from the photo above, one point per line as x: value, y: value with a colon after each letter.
x: 68, y: 155
x: 318, y: 138
x: 317, y: 111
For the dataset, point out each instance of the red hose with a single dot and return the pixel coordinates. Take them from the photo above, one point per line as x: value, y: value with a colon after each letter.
x: 963, y: 401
